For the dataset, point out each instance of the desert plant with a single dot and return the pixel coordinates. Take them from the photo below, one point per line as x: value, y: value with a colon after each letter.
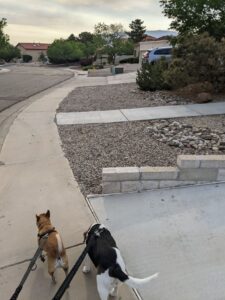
x: 151, y: 76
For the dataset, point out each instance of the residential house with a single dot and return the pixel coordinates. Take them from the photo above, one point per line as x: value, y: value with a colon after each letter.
x: 33, y: 49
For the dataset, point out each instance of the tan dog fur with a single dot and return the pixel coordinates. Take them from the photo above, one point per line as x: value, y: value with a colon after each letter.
x: 56, y: 253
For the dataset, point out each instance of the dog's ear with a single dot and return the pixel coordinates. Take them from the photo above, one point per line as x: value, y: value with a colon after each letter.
x: 48, y: 214
x: 37, y: 218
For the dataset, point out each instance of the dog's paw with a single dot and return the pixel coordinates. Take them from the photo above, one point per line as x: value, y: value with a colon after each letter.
x: 86, y: 269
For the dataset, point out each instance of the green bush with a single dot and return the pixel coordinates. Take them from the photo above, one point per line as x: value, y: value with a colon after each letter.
x: 197, y: 58
x: 64, y: 51
x: 130, y: 60
x: 86, y: 62
x: 26, y: 58
x: 151, y: 76
x: 9, y: 52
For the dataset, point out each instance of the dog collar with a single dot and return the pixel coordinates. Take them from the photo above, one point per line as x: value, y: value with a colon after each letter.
x: 46, y: 233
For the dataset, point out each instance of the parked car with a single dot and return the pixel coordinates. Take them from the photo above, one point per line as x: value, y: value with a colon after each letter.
x: 155, y: 54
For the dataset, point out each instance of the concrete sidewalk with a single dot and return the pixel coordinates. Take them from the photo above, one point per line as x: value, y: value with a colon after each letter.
x: 35, y: 176
x: 177, y: 232
x: 140, y: 114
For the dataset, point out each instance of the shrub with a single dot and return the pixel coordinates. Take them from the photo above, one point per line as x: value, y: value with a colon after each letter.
x: 151, y: 76
x: 42, y: 58
x: 197, y: 58
x: 130, y: 60
x: 26, y: 58
x: 86, y: 62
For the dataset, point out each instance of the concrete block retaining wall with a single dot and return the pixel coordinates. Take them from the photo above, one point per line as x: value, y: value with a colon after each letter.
x: 190, y: 170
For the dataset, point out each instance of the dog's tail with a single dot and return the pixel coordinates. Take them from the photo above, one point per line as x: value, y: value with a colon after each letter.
x: 132, y: 282
x: 137, y: 282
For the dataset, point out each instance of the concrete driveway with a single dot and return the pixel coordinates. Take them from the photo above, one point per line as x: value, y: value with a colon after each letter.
x: 23, y: 81
x: 179, y: 233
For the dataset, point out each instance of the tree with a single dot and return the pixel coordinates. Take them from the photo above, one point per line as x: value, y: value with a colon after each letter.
x: 196, y: 16
x: 64, y: 51
x: 8, y: 52
x: 87, y: 41
x: 137, y: 32
x: 108, y: 39
x: 4, y: 39
x: 86, y: 37
x: 72, y: 37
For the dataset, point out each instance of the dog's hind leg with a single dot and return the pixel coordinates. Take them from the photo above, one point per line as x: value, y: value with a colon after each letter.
x: 65, y: 264
x: 87, y: 264
x: 103, y: 285
x: 51, y: 268
x: 114, y: 288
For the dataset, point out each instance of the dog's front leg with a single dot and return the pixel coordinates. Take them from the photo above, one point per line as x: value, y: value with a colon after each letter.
x: 42, y: 257
x: 87, y: 264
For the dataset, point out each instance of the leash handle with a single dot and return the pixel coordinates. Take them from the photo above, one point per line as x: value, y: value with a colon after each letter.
x: 16, y: 293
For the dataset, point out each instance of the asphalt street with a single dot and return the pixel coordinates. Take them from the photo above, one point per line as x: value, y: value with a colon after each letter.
x: 23, y: 81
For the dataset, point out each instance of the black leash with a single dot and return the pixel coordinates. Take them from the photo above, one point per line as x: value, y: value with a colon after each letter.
x: 64, y: 286
x: 29, y: 269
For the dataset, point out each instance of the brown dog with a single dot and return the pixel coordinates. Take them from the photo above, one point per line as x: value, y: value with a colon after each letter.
x: 53, y: 245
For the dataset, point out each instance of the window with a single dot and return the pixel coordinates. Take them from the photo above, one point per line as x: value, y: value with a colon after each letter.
x: 164, y: 51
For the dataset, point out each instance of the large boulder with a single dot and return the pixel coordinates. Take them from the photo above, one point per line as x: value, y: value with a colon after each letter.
x: 204, y: 97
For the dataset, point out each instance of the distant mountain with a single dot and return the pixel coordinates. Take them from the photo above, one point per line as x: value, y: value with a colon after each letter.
x: 158, y: 33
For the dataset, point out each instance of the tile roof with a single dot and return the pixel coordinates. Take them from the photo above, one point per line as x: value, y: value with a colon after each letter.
x: 34, y: 46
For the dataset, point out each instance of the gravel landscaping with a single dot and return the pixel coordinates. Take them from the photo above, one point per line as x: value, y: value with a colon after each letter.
x: 89, y: 148
x: 115, y: 96
x: 119, y: 96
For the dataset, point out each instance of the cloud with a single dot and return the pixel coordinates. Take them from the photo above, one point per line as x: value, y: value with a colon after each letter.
x: 115, y: 4
x: 54, y: 17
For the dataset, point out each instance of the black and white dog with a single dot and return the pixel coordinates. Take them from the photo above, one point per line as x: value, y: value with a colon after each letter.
x: 107, y: 259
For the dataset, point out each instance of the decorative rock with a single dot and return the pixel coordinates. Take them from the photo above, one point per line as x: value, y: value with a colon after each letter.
x: 204, y: 97
x: 183, y: 135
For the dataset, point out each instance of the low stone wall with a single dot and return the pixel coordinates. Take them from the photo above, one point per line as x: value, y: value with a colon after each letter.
x: 190, y: 170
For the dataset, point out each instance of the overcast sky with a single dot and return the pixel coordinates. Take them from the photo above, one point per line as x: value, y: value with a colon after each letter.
x: 46, y: 20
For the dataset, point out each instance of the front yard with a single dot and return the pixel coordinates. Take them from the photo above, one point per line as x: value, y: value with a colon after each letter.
x: 89, y: 148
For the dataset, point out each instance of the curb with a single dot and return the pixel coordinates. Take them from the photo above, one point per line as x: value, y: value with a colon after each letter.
x: 3, y: 70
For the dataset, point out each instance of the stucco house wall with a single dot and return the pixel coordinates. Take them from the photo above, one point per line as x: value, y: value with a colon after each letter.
x: 33, y: 49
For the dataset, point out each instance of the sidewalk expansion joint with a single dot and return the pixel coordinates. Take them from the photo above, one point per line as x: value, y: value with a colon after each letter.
x: 123, y: 114
x: 29, y: 259
x: 60, y: 155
